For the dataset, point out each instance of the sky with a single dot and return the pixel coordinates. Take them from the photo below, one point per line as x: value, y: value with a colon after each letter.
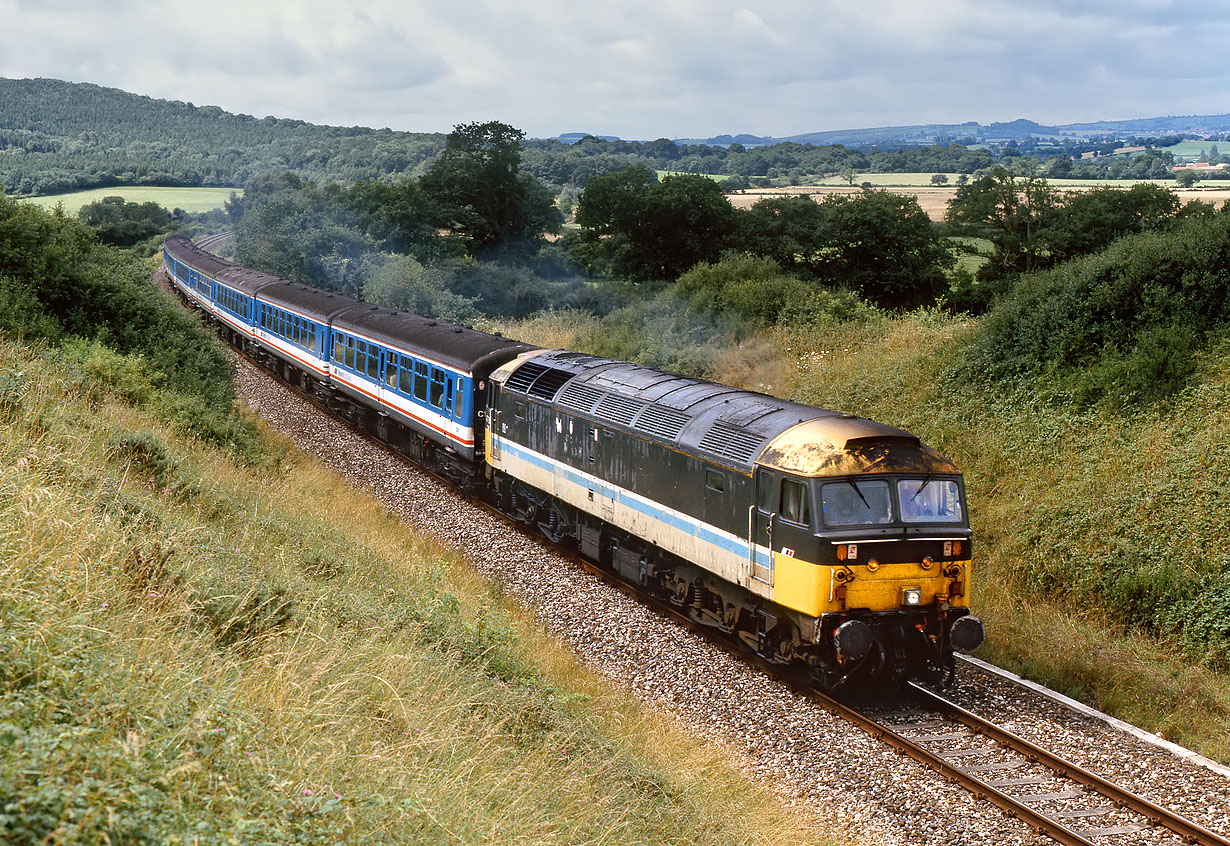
x: 639, y: 69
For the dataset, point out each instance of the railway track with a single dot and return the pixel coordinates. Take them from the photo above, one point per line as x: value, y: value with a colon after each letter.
x: 1053, y: 796
x: 1056, y: 798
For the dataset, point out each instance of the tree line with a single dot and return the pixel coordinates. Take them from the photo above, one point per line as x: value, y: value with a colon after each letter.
x: 58, y: 136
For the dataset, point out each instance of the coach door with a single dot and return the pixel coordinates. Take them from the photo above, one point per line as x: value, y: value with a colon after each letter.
x: 762, y: 521
x: 492, y: 413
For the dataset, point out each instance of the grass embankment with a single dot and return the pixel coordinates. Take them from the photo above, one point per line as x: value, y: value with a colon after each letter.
x: 193, y: 650
x: 1074, y: 513
x: 1083, y: 520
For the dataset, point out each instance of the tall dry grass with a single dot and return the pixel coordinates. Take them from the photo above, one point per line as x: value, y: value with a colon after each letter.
x: 195, y: 651
x: 1087, y: 525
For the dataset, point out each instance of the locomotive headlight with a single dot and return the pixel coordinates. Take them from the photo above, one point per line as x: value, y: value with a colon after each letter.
x: 911, y: 596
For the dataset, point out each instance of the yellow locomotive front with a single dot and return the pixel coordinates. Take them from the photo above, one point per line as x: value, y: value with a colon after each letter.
x: 869, y: 537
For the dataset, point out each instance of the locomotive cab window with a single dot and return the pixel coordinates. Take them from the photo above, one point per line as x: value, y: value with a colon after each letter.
x: 796, y: 502
x: 856, y: 502
x: 715, y: 481
x: 929, y: 500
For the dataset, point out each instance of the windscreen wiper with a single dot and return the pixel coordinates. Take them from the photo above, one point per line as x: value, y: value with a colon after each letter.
x: 859, y: 492
x: 926, y: 482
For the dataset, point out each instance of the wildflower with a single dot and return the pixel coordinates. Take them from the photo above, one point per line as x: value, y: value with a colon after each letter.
x: 307, y: 792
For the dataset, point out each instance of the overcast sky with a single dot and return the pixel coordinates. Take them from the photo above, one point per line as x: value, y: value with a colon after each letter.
x: 640, y: 68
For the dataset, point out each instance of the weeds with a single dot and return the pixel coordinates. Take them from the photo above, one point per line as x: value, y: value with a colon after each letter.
x: 224, y: 666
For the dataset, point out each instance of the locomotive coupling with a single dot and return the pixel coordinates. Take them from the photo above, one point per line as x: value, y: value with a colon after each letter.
x: 966, y: 634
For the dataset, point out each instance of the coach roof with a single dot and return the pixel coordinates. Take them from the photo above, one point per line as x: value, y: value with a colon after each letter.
x: 453, y: 346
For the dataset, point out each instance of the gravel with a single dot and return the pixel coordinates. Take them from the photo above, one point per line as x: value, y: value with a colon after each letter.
x: 814, y: 760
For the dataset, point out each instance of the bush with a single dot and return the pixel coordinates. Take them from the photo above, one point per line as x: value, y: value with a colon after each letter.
x: 1119, y: 327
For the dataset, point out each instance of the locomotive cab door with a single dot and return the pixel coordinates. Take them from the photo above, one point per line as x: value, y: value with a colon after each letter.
x: 761, y: 524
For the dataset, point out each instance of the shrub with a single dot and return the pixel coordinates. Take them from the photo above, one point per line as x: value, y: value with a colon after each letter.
x: 1119, y: 327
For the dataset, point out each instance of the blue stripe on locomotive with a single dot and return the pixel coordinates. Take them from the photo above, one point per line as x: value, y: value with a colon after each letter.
x: 648, y: 507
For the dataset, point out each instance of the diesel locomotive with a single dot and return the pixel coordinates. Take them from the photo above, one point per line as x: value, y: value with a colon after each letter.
x: 819, y: 539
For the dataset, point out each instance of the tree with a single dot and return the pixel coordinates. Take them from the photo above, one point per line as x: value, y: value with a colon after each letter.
x: 124, y: 224
x: 939, y: 179
x: 1089, y: 220
x: 481, y: 192
x: 1013, y: 210
x: 880, y: 245
x: 401, y: 218
x: 1186, y: 178
x: 647, y: 229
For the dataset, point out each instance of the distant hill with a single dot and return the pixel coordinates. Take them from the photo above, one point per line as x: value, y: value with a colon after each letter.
x: 60, y: 136
x: 973, y: 132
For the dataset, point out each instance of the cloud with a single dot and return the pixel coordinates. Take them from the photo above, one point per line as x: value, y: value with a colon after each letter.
x: 639, y: 68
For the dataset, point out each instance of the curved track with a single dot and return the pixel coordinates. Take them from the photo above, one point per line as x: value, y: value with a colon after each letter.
x: 1041, y: 789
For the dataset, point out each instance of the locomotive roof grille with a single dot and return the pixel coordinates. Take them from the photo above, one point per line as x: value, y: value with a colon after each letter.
x: 662, y: 422
x: 548, y: 384
x: 729, y: 442
x: 524, y: 376
x: 620, y: 409
x: 538, y: 380
x: 580, y: 397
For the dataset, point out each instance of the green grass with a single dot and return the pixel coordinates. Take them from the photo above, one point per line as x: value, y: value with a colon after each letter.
x: 1191, y: 150
x: 189, y: 199
x: 1061, y: 502
x: 194, y: 651
x: 716, y: 177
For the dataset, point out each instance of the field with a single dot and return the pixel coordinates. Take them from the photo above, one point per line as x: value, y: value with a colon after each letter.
x: 194, y: 655
x: 934, y: 200
x: 189, y: 199
x: 716, y: 177
x: 1191, y: 150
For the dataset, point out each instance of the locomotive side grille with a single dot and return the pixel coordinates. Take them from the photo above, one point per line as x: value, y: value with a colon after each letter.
x: 661, y: 421
x: 580, y: 397
x: 732, y: 443
x: 620, y: 409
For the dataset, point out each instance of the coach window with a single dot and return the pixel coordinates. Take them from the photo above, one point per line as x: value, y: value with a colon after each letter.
x: 437, y: 387
x: 339, y: 344
x: 312, y: 338
x: 390, y: 370
x: 796, y: 503
x: 420, y: 381
x: 350, y: 353
x: 405, y: 375
x: 373, y: 361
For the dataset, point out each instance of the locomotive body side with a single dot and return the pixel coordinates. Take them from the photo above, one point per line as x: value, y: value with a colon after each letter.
x: 726, y: 501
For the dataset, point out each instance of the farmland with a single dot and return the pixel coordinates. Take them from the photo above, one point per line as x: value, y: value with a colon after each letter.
x: 934, y: 199
x: 193, y: 200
